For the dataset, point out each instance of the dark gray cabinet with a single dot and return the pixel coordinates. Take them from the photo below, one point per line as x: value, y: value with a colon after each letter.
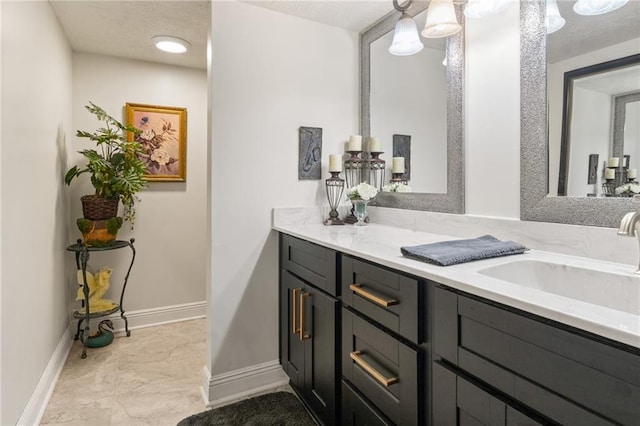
x: 554, y: 372
x: 308, y: 327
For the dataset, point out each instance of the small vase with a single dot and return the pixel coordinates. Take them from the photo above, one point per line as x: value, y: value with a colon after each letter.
x: 360, y: 211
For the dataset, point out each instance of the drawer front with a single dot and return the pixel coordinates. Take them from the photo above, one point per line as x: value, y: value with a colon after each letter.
x: 534, y: 361
x: 383, y: 369
x: 387, y: 297
x: 311, y: 262
x: 357, y: 411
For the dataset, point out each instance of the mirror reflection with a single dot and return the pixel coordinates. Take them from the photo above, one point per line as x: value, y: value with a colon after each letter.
x: 582, y: 93
x: 408, y: 107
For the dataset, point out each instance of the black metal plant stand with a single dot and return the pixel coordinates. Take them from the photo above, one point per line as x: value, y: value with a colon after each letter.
x: 82, y: 258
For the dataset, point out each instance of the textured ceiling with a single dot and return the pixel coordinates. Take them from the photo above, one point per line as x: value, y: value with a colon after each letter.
x: 124, y: 28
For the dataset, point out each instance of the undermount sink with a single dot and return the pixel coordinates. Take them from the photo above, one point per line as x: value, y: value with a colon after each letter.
x: 609, y: 289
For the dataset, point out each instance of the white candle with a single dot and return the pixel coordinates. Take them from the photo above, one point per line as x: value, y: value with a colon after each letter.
x: 397, y: 165
x: 335, y: 163
x: 613, y: 162
x: 632, y: 173
x: 355, y: 143
x: 609, y: 174
x: 374, y: 145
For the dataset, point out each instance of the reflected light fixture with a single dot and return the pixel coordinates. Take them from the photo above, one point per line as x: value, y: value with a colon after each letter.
x: 441, y: 20
x: 405, y: 36
x: 553, y: 21
x: 171, y: 44
x: 597, y: 7
x: 484, y: 8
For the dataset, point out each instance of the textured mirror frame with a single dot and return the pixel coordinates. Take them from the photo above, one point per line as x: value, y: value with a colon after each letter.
x: 535, y: 203
x: 453, y: 200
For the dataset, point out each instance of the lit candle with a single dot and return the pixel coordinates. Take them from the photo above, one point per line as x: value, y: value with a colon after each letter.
x: 613, y: 162
x: 609, y: 174
x: 397, y: 165
x: 632, y: 173
x: 374, y: 145
x: 335, y: 163
x: 355, y: 143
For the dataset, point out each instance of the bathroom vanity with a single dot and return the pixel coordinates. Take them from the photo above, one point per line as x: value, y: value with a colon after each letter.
x: 370, y: 337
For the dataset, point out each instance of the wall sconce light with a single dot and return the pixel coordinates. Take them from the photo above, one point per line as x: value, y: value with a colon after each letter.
x: 597, y: 7
x: 171, y: 44
x: 441, y: 20
x: 553, y: 21
x: 405, y: 36
x: 484, y: 8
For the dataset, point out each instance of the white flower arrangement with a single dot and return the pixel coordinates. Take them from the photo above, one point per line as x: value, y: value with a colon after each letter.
x: 397, y: 187
x: 628, y: 189
x: 363, y: 191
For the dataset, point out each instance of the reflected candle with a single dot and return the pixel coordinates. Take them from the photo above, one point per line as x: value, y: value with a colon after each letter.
x: 355, y: 143
x: 374, y: 145
x: 609, y: 174
x: 335, y: 163
x: 397, y: 165
x: 632, y: 173
x: 613, y: 162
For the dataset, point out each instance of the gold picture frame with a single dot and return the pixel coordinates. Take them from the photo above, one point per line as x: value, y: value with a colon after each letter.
x: 163, y: 139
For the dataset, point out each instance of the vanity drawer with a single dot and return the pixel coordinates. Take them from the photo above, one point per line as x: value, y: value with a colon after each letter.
x: 311, y: 262
x: 534, y: 360
x: 387, y: 297
x: 357, y: 411
x: 384, y: 370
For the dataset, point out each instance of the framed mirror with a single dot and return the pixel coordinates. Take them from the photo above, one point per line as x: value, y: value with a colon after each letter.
x: 421, y: 98
x: 540, y: 133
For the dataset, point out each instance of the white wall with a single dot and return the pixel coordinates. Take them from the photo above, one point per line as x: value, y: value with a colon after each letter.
x: 271, y: 74
x: 492, y: 114
x: 170, y: 221
x: 36, y: 126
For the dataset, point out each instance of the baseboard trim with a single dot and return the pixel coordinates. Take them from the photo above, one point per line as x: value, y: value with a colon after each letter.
x: 34, y: 410
x: 239, y: 384
x: 159, y: 316
x: 37, y: 404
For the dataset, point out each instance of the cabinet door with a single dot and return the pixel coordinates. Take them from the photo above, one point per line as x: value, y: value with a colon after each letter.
x: 318, y: 324
x: 292, y: 355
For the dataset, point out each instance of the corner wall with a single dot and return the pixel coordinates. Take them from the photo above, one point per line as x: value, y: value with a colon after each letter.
x: 170, y: 221
x: 36, y: 123
x: 271, y: 74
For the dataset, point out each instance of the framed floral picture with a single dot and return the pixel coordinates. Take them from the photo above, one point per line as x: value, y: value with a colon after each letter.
x: 163, y: 138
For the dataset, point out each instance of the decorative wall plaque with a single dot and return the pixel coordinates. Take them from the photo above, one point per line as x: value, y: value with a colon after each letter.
x: 310, y: 153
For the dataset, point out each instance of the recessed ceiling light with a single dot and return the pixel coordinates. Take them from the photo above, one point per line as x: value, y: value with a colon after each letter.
x: 171, y: 44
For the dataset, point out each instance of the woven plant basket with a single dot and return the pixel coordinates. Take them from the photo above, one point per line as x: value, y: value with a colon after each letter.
x: 95, y: 207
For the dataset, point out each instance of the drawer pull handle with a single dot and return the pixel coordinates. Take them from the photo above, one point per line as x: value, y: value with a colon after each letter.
x: 357, y: 289
x: 384, y: 381
x: 303, y: 336
x: 294, y: 308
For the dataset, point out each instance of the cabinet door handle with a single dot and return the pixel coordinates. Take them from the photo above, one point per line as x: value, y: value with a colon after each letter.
x: 357, y: 289
x: 294, y: 308
x: 384, y: 381
x: 303, y: 336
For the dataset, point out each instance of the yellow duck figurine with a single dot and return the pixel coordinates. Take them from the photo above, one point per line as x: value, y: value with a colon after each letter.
x: 98, y: 285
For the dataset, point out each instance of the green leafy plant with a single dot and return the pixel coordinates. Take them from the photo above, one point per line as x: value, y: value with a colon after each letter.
x: 115, y: 168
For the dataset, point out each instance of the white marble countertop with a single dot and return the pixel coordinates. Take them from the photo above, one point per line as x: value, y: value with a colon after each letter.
x: 381, y: 244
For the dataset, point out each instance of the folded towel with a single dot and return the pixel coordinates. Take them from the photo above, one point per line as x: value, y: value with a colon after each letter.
x: 447, y: 253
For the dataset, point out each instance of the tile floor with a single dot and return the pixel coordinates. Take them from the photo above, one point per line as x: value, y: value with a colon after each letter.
x: 150, y: 378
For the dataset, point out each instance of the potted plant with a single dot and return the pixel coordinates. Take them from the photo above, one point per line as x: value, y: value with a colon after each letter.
x: 117, y: 174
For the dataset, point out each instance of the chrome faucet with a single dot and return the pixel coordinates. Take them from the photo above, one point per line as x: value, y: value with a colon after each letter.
x: 629, y: 227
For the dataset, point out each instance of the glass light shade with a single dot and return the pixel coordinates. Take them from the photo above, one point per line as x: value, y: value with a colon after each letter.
x: 441, y: 20
x: 597, y: 7
x: 553, y: 21
x: 171, y: 44
x: 405, y: 37
x: 483, y: 8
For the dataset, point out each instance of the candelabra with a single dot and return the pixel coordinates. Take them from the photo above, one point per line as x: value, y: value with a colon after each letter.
x: 397, y: 178
x: 335, y: 186
x: 376, y: 170
x: 354, y: 167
